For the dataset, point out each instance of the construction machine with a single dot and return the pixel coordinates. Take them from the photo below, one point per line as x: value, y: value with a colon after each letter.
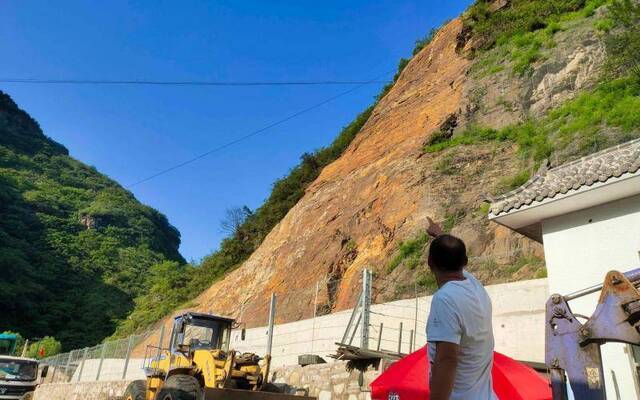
x: 573, y: 348
x: 8, y: 343
x: 199, y: 365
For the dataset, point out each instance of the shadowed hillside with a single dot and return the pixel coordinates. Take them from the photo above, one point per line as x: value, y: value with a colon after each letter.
x: 74, y: 245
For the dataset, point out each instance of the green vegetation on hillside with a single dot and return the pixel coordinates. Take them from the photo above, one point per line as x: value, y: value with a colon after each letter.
x: 623, y: 45
x: 520, y: 30
x: 595, y: 119
x: 74, y: 245
x: 520, y: 17
x: 410, y: 251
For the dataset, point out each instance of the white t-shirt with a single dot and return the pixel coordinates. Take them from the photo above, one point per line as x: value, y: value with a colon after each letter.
x: 461, y: 314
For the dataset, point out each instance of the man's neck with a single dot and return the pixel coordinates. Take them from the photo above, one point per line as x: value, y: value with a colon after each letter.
x: 445, y: 277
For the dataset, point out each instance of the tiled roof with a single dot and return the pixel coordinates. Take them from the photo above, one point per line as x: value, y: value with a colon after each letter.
x: 613, y: 162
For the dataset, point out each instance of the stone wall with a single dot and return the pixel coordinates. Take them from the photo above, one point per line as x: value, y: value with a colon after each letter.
x: 104, y: 390
x: 329, y: 381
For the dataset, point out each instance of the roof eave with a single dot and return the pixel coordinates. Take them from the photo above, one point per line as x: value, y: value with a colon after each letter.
x: 527, y: 217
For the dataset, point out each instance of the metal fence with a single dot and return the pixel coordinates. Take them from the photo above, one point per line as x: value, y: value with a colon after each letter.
x: 396, y: 325
x: 89, y: 363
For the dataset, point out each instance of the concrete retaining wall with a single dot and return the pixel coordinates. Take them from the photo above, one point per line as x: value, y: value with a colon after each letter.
x: 518, y: 324
x: 111, y: 370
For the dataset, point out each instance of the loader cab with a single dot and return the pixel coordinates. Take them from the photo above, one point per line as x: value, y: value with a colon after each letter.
x: 8, y: 343
x: 193, y: 331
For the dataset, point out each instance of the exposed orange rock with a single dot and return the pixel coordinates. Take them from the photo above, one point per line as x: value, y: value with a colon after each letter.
x: 378, y: 193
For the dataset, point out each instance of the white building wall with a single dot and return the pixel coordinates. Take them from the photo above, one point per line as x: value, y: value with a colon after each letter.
x: 580, y: 248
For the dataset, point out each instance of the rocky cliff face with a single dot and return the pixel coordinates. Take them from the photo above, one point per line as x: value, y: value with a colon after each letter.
x: 378, y: 194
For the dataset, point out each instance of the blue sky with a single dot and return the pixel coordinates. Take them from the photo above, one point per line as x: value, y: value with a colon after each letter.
x: 131, y: 132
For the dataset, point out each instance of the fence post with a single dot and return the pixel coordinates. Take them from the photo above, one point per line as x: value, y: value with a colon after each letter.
x: 272, y: 317
x: 380, y: 335
x: 366, y: 303
x: 315, y: 308
x: 54, y: 360
x: 353, y: 316
x: 411, y: 341
x: 66, y: 367
x: 272, y: 314
x: 355, y: 329
x: 415, y: 318
x: 160, y: 341
x: 102, y: 351
x: 84, y: 357
x: 400, y: 339
x: 24, y: 348
x: 126, y: 360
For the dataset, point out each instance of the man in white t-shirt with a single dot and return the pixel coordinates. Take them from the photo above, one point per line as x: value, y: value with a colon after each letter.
x: 459, y: 331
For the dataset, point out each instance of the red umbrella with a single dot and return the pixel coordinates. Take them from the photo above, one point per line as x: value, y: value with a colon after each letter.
x: 407, y: 380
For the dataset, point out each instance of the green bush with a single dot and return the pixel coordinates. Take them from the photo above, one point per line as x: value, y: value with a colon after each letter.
x: 512, y: 182
x: 46, y: 347
x: 483, y: 209
x: 410, y: 251
x: 623, y: 44
x: 453, y: 218
x: 520, y: 17
x: 521, y: 30
x: 445, y: 165
x: 438, y: 136
x: 427, y: 281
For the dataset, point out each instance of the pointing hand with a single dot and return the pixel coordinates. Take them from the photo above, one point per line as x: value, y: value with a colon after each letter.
x: 434, y: 229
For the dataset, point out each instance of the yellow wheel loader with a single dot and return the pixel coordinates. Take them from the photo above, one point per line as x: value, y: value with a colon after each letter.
x: 199, y: 365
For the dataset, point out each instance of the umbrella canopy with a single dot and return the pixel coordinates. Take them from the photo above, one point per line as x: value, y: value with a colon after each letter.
x: 407, y: 380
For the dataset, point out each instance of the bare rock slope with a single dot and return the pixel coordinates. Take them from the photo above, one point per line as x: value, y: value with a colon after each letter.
x: 379, y: 193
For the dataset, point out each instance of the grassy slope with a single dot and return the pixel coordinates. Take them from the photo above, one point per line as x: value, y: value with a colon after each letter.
x: 599, y: 118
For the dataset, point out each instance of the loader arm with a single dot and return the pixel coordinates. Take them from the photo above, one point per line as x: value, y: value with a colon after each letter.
x: 215, y: 370
x: 573, y: 349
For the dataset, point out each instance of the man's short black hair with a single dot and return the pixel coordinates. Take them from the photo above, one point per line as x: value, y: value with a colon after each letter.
x: 447, y: 253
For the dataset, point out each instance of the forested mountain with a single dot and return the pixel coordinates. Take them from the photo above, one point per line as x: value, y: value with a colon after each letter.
x: 75, y: 247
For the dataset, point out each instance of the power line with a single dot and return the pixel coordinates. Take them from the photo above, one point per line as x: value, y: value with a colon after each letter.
x: 254, y: 133
x: 187, y: 83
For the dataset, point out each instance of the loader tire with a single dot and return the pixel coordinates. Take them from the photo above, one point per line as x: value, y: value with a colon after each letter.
x: 180, y: 387
x: 137, y: 390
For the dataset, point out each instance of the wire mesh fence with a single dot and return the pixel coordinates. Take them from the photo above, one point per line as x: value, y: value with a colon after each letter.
x: 322, y: 316
x: 110, y: 360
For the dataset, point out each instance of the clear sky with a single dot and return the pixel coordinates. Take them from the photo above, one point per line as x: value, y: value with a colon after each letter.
x: 131, y: 132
